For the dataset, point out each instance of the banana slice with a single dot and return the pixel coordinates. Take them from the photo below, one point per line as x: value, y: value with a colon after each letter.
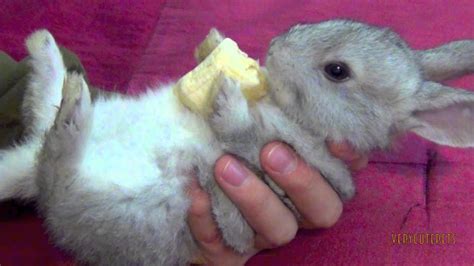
x: 197, y: 88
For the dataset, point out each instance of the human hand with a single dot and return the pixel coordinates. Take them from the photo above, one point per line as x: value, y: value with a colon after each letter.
x: 273, y: 222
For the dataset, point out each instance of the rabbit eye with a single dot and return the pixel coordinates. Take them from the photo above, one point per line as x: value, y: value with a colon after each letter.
x: 337, y: 72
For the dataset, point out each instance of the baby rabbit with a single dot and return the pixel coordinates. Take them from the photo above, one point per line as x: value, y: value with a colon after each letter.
x: 109, y: 176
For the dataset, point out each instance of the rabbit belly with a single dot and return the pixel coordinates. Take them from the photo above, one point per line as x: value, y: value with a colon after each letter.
x: 133, y: 138
x: 127, y: 204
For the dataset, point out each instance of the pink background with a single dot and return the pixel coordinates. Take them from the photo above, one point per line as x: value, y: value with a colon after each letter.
x: 127, y: 45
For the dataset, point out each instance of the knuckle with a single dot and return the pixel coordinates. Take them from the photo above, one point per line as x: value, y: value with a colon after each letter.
x: 302, y: 183
x: 200, y: 205
x: 258, y: 198
x: 283, y: 237
x: 212, y: 237
x: 254, y: 206
x: 329, y: 218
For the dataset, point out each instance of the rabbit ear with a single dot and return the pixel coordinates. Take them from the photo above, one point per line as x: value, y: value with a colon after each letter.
x: 447, y: 61
x: 444, y: 115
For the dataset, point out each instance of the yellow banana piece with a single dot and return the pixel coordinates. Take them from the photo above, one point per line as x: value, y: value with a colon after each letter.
x: 197, y: 89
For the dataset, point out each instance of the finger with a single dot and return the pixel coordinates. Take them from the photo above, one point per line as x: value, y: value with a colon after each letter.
x: 343, y: 150
x: 206, y: 232
x: 359, y: 163
x: 305, y: 224
x: 262, y: 209
x: 261, y: 243
x: 315, y: 199
x: 203, y: 227
x: 200, y: 219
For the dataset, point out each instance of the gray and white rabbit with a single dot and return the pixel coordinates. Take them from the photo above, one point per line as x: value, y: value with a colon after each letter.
x: 110, y: 175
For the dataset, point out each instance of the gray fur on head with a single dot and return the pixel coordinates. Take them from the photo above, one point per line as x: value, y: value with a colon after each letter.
x: 389, y: 90
x: 110, y: 175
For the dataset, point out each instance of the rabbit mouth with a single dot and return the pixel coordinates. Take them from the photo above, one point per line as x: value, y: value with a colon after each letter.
x: 276, y: 68
x: 270, y: 61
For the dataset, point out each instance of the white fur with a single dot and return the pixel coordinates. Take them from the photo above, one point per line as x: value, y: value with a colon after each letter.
x: 44, y: 95
x: 41, y: 101
x: 128, y: 158
x: 17, y: 171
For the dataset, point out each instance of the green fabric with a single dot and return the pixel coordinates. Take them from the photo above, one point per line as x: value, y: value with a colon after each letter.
x: 13, y: 82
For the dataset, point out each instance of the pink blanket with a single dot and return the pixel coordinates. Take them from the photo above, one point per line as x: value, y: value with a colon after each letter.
x: 418, y: 188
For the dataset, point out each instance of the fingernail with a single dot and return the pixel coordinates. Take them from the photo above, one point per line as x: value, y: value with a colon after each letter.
x: 281, y: 159
x: 233, y: 173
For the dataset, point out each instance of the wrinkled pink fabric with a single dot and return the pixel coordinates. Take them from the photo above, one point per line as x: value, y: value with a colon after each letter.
x: 418, y: 188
